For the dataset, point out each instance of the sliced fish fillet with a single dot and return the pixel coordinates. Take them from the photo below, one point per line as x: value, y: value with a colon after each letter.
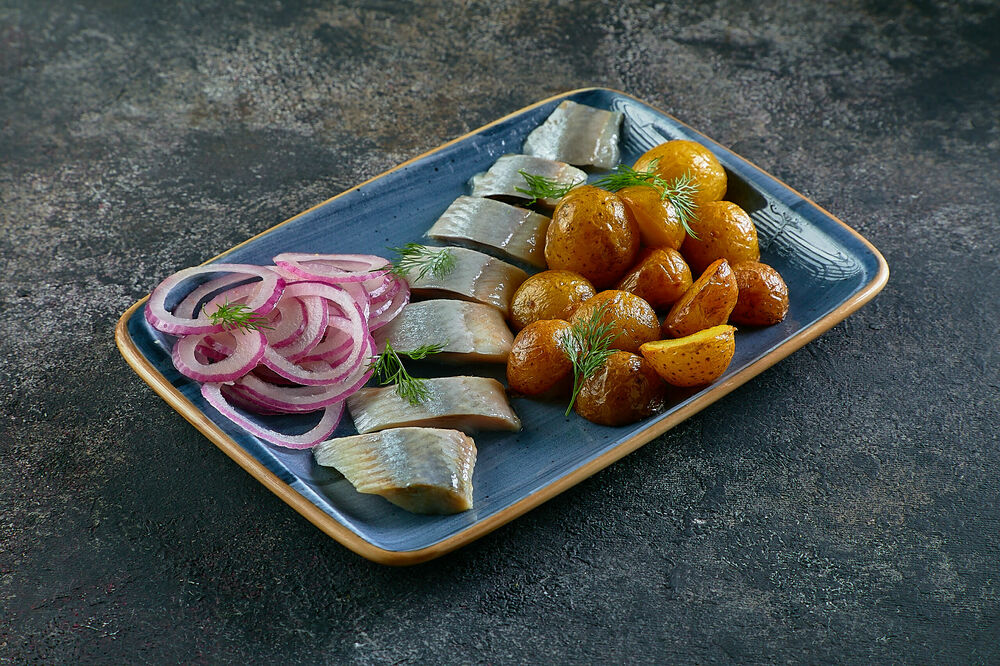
x: 494, y: 226
x: 468, y: 404
x: 503, y: 178
x: 578, y: 134
x: 470, y: 332
x: 423, y: 470
x: 476, y: 277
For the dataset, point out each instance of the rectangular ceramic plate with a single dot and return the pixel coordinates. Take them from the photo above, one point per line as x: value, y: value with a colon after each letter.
x: 831, y: 271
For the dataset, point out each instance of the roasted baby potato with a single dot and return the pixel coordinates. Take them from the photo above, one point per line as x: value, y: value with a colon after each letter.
x: 632, y: 317
x: 696, y: 359
x: 592, y: 233
x: 548, y: 295
x: 673, y: 159
x: 657, y: 219
x: 625, y: 389
x: 763, y: 295
x: 706, y: 304
x: 660, y: 278
x: 724, y: 231
x: 537, y: 363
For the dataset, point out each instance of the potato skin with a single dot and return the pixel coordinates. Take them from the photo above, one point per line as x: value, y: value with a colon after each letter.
x: 550, y: 294
x: 633, y: 317
x: 679, y: 157
x: 537, y: 363
x: 694, y: 360
x: 660, y: 277
x: 655, y: 217
x: 707, y: 303
x: 592, y: 234
x: 622, y: 391
x: 763, y: 295
x: 724, y: 231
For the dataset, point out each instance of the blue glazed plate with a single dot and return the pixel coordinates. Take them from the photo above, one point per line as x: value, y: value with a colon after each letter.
x: 831, y: 271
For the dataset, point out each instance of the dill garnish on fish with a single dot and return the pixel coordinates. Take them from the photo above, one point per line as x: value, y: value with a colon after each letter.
x: 387, y: 368
x: 422, y: 259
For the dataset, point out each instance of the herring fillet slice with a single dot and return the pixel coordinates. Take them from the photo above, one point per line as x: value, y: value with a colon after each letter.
x: 463, y: 403
x: 489, y: 224
x: 422, y: 470
x: 578, y: 134
x: 503, y: 178
x: 470, y: 332
x: 476, y: 277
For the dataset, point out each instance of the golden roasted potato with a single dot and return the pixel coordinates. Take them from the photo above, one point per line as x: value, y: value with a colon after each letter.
x: 660, y: 278
x: 592, y: 233
x: 706, y: 304
x: 633, y: 318
x: 763, y: 295
x: 675, y: 158
x: 696, y: 359
x: 623, y: 390
x: 656, y: 218
x: 549, y: 295
x: 537, y: 363
x: 724, y: 231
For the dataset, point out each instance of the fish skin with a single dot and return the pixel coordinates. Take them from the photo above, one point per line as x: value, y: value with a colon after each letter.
x: 476, y: 277
x: 464, y: 403
x: 493, y: 226
x: 578, y: 134
x: 502, y: 179
x: 422, y: 470
x: 470, y: 332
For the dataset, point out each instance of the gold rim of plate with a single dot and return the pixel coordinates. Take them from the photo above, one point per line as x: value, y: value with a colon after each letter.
x: 359, y: 545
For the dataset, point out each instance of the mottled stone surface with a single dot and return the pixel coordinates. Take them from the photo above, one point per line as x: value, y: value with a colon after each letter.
x: 843, y: 506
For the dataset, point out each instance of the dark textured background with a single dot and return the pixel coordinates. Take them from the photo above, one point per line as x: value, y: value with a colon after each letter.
x: 843, y: 506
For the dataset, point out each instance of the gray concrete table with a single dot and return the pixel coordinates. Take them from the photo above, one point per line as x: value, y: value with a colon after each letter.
x: 843, y: 506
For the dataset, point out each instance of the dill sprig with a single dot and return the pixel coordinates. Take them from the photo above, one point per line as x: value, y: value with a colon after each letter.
x: 238, y: 315
x: 542, y: 187
x: 423, y: 259
x: 388, y: 368
x: 588, y: 345
x: 680, y: 191
x: 625, y: 176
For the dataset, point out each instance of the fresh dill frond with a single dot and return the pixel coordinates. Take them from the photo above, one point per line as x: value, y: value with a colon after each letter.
x: 588, y: 345
x: 680, y: 191
x: 387, y: 368
x: 625, y: 176
x: 542, y: 187
x: 424, y: 351
x: 422, y: 259
x: 238, y: 315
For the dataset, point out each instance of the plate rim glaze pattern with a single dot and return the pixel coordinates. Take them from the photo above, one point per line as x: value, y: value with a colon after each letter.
x: 339, y: 532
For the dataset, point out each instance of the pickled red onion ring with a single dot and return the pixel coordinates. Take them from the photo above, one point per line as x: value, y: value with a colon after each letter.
x: 317, y: 313
x: 188, y: 307
x: 395, y: 306
x: 268, y: 291
x: 292, y: 399
x: 333, y: 268
x: 357, y: 329
x: 310, y: 353
x: 237, y: 399
x: 248, y: 349
x: 212, y: 392
x: 336, y: 341
x: 287, y: 321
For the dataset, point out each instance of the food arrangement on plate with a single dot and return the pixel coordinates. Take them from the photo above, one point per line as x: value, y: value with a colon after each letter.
x: 644, y: 270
